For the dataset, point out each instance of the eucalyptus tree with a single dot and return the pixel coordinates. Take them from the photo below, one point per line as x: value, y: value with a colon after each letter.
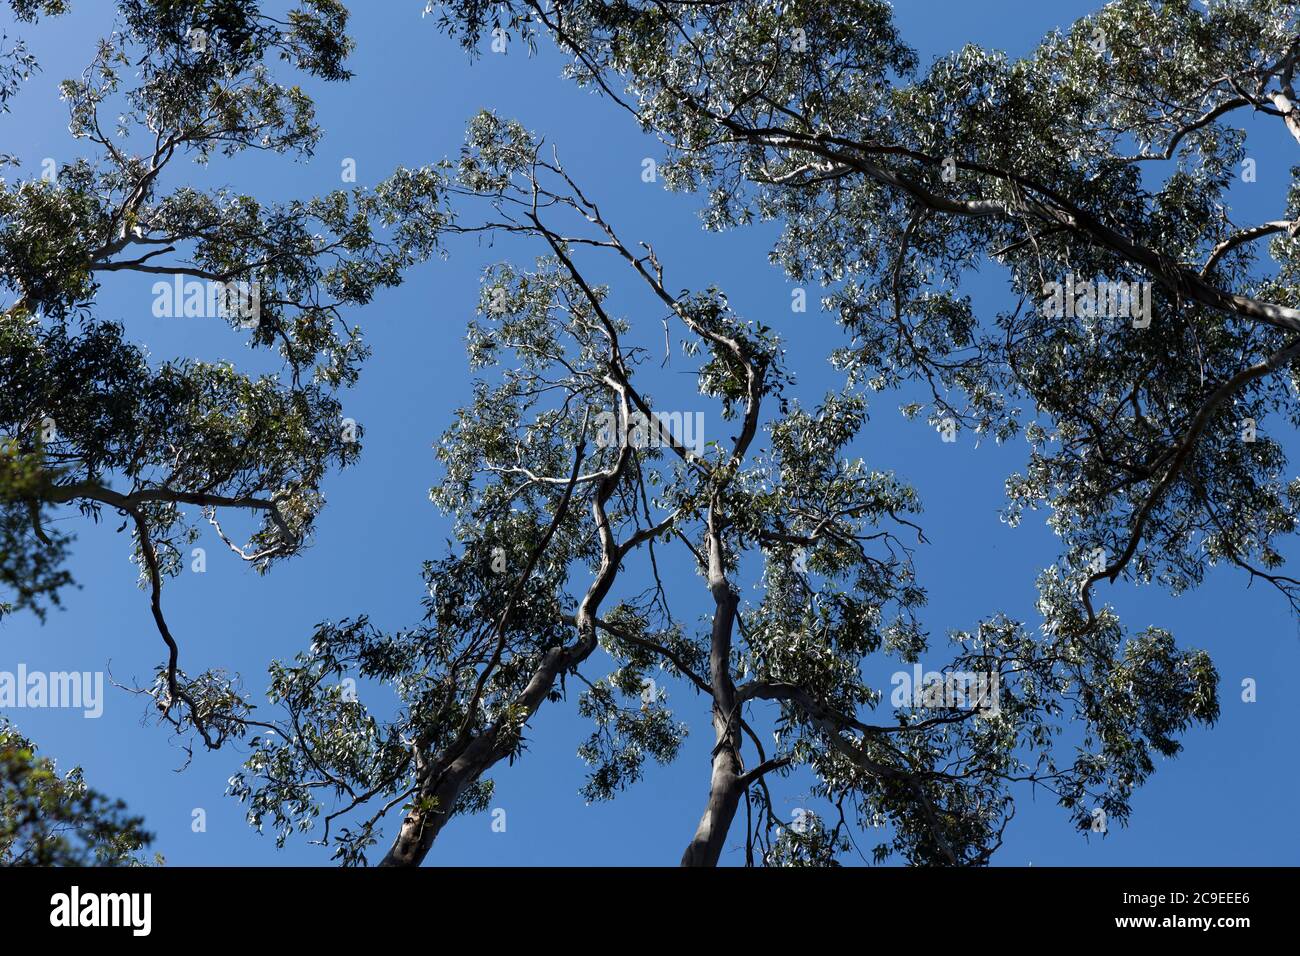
x: 571, y: 488
x: 565, y: 478
x: 91, y: 422
x: 1105, y: 162
x: 53, y: 819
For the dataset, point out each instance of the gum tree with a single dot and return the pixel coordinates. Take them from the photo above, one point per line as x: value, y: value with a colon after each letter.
x: 803, y: 559
x: 1111, y: 153
x: 48, y: 819
x: 803, y: 551
x: 91, y: 423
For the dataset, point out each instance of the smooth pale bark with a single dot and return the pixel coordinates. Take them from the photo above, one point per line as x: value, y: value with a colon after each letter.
x: 1290, y: 115
x: 446, y: 785
x: 467, y: 759
x: 725, y: 787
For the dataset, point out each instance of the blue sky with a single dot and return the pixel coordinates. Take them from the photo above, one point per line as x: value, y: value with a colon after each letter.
x: 1228, y: 799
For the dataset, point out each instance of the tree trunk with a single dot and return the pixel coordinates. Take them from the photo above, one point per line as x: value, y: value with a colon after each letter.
x: 724, y: 784
x: 724, y: 799
x: 446, y: 784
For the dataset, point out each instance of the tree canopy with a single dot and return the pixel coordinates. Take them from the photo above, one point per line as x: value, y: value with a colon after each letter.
x: 52, y: 820
x: 1105, y: 155
x: 91, y: 423
x: 1145, y: 354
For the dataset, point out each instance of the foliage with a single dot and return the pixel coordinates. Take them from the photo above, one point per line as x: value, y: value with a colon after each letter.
x: 48, y: 819
x: 802, y: 551
x: 92, y: 420
x: 1104, y: 156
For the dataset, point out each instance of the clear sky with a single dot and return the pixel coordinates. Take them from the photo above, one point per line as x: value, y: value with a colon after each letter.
x: 1228, y: 799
